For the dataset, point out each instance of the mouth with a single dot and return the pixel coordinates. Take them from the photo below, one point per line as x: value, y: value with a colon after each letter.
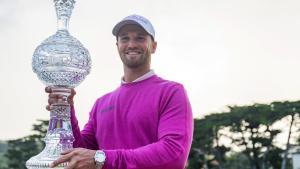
x: 133, y: 52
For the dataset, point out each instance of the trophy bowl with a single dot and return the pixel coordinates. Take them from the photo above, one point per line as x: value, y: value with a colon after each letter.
x: 61, y: 60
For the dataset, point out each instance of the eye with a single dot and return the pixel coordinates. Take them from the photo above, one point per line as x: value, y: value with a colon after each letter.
x: 124, y: 38
x: 140, y: 38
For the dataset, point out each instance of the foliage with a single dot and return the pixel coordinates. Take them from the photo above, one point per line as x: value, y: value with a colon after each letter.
x: 3, y: 146
x: 237, y: 161
x: 20, y: 150
x: 251, y: 129
x: 3, y: 159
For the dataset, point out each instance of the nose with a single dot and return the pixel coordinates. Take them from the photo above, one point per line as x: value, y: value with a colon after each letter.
x: 131, y: 44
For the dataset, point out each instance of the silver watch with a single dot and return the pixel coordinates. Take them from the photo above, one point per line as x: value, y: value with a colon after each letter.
x: 99, y: 158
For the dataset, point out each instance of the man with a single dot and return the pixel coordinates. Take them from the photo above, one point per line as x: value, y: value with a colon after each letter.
x: 146, y: 123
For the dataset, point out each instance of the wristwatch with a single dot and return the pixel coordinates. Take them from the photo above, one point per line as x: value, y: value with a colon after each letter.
x: 99, y: 158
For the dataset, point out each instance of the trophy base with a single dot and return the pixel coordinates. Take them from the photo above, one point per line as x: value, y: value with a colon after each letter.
x: 38, y: 162
x: 42, y: 162
x: 45, y: 158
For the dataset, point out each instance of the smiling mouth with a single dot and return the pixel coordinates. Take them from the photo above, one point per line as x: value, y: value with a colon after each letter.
x: 133, y: 52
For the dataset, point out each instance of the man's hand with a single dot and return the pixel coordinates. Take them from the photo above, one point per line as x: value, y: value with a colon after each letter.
x: 78, y: 158
x: 55, y: 97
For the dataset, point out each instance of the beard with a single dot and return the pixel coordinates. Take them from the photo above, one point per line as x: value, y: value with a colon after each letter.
x: 139, y: 61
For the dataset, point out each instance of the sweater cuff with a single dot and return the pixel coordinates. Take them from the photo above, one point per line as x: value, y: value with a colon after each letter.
x: 109, y: 159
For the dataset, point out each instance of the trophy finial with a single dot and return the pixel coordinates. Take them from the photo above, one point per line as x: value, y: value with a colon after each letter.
x: 63, y: 12
x: 64, y: 8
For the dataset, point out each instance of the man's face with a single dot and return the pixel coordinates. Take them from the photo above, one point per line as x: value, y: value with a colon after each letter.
x: 135, y: 46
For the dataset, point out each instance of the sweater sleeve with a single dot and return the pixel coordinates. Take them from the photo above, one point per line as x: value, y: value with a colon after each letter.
x: 85, y: 138
x: 174, y: 139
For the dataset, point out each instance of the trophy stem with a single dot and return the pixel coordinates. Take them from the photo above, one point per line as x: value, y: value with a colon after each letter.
x: 60, y: 129
x: 59, y: 136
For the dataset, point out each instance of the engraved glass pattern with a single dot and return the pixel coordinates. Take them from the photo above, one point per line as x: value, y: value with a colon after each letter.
x: 62, y: 62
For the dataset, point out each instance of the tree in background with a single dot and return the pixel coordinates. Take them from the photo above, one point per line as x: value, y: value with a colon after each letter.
x: 206, y: 147
x: 250, y: 129
x: 20, y: 150
x: 237, y: 161
x: 3, y: 159
x: 291, y: 109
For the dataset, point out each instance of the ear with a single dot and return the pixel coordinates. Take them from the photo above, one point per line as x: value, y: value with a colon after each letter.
x: 153, y: 46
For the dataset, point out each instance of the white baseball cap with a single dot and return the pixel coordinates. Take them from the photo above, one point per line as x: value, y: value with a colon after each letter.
x: 135, y: 19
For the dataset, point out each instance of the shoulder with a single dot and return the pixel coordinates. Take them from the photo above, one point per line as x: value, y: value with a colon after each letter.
x: 173, y: 97
x: 169, y: 91
x: 169, y: 84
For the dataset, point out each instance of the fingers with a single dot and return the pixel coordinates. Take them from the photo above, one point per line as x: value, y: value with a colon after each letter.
x: 72, y: 164
x: 54, y: 99
x: 48, y: 107
x: 48, y: 89
x: 73, y: 92
x: 70, y: 98
x: 61, y: 159
x: 55, y: 96
x: 59, y: 96
x: 77, y: 158
x: 81, y: 159
x: 57, y: 90
x: 67, y: 152
x: 66, y: 156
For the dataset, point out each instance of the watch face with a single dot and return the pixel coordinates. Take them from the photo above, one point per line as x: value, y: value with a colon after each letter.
x: 100, y: 157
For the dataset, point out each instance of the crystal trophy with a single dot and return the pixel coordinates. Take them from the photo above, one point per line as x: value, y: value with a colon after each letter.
x: 61, y: 62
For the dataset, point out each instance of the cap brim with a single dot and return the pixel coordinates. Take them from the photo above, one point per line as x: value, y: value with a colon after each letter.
x: 119, y: 26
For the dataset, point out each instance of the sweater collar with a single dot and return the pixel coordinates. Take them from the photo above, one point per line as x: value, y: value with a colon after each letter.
x: 143, y: 77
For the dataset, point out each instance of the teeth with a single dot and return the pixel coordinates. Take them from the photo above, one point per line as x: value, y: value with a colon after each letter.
x: 132, y: 53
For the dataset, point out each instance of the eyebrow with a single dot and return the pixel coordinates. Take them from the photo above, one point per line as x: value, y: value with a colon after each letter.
x: 142, y: 34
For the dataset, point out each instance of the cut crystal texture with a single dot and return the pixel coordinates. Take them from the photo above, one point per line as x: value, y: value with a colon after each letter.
x: 62, y: 62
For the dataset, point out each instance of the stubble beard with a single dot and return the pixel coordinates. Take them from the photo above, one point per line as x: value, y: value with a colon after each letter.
x: 141, y: 61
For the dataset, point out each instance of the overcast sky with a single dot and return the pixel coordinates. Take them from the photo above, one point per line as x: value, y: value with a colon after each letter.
x: 225, y: 52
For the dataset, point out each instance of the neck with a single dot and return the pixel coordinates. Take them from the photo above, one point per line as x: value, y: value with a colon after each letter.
x: 131, y: 74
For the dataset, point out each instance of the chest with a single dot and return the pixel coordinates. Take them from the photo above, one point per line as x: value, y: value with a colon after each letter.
x: 128, y: 114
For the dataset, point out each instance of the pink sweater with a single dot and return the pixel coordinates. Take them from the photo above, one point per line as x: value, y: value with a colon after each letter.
x: 141, y: 125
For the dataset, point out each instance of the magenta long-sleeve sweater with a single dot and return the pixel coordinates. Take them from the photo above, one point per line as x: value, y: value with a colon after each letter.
x: 141, y: 125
